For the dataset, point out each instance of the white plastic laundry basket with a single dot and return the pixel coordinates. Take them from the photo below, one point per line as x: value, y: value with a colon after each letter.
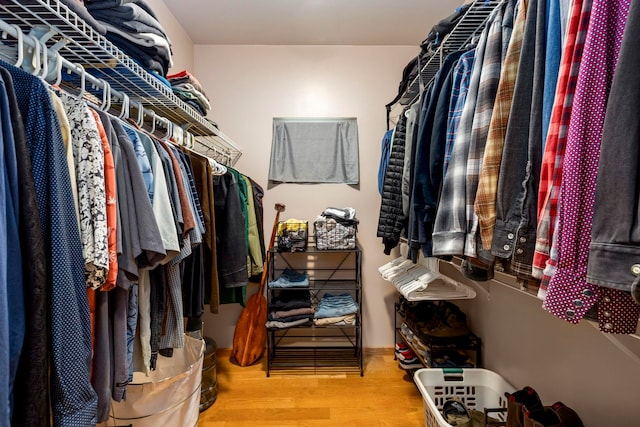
x: 478, y: 389
x: 169, y: 396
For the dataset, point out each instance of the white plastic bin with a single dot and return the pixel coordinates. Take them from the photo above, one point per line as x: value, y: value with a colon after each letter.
x: 169, y: 396
x: 478, y: 389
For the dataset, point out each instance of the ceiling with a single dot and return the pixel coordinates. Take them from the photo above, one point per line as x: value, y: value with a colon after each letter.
x: 310, y: 22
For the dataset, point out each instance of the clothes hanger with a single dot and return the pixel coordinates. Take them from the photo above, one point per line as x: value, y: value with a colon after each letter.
x: 391, y: 264
x: 106, y: 97
x: 83, y: 82
x: 58, y: 70
x: 218, y: 168
x: 411, y: 275
x: 177, y: 135
x: 396, y: 271
x: 190, y: 142
x: 44, y: 60
x: 153, y: 121
x: 124, y: 112
x: 169, y: 134
x: 20, y: 38
x: 140, y: 118
x: 34, y: 52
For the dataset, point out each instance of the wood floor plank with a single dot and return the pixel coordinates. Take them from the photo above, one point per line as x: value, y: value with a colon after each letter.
x: 385, y: 396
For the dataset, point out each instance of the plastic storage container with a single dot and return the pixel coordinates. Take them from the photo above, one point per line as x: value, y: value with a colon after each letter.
x: 478, y: 389
x: 209, y: 388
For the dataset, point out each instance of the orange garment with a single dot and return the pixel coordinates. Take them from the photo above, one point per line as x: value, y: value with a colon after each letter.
x: 112, y: 212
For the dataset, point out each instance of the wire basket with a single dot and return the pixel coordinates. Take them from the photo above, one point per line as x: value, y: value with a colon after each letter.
x: 292, y: 236
x: 478, y: 389
x: 331, y: 234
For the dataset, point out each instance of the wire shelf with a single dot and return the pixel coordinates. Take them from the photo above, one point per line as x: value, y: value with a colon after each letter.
x: 63, y: 31
x: 470, y: 25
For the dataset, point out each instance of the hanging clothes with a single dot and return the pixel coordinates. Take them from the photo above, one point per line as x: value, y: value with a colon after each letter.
x: 450, y: 224
x: 69, y: 311
x: 498, y: 39
x: 231, y: 244
x: 204, y: 186
x: 391, y: 220
x: 516, y: 198
x: 614, y: 239
x: 569, y: 284
x: 30, y: 403
x: 485, y: 203
x: 88, y: 156
x: 551, y: 169
x: 12, y: 288
x: 384, y: 157
x: 429, y: 155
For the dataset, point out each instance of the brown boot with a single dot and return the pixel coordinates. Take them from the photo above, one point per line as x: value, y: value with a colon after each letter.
x: 515, y: 413
x: 545, y: 418
x: 568, y: 416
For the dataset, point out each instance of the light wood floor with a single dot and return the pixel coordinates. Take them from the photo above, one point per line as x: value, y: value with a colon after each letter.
x: 384, y: 396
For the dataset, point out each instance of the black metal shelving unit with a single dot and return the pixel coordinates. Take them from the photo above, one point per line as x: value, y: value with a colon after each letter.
x: 469, y: 344
x: 313, y: 348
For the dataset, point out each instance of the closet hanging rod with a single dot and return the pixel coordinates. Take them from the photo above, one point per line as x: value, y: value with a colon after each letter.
x: 40, y: 63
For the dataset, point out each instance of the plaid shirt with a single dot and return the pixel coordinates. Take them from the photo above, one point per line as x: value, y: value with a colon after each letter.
x: 551, y: 171
x: 485, y: 203
x: 569, y: 296
x: 499, y: 34
x: 450, y: 225
x: 461, y: 77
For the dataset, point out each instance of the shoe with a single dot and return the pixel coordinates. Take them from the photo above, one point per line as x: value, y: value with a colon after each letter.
x: 528, y: 397
x: 567, y: 416
x: 405, y: 355
x: 401, y: 346
x: 410, y: 364
x: 545, y: 418
x: 420, y: 348
x: 408, y: 333
x: 515, y: 413
x: 446, y: 320
x: 455, y: 413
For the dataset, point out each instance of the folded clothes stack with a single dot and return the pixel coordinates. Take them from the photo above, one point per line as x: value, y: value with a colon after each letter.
x: 80, y: 9
x: 189, y: 89
x: 290, y: 279
x: 336, y: 310
x: 133, y: 27
x: 291, y: 307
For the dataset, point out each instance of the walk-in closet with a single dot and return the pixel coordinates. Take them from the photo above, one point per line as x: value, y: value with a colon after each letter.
x: 319, y: 213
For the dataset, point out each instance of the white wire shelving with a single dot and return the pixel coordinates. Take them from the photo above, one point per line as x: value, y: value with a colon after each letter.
x: 62, y: 31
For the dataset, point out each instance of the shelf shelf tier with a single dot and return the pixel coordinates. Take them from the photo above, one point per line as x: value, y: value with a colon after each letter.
x: 64, y: 32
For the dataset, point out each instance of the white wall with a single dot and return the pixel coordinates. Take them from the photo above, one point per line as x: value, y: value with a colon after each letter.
x: 249, y: 85
x: 181, y: 44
